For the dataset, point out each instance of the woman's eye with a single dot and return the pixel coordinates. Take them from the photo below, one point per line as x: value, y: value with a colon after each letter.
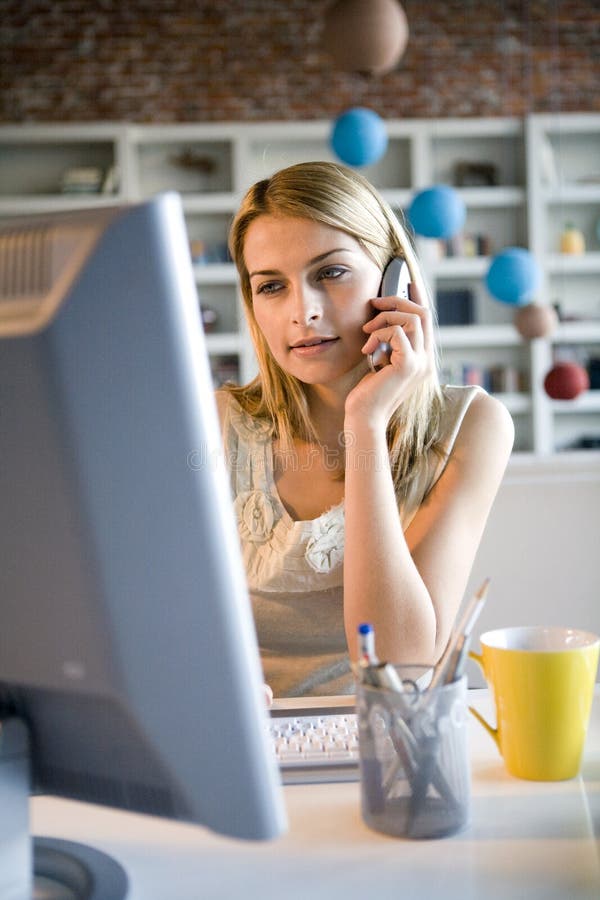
x: 332, y: 272
x: 269, y: 287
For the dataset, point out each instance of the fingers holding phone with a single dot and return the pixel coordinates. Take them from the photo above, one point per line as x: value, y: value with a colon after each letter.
x: 395, y: 282
x: 401, y: 323
x: 397, y: 340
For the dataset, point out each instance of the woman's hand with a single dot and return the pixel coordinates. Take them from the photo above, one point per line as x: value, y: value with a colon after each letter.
x: 406, y: 326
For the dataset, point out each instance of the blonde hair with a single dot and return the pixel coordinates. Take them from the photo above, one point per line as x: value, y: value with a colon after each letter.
x: 333, y: 195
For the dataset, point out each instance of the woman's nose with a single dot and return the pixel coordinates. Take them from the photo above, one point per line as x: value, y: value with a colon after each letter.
x: 306, y: 306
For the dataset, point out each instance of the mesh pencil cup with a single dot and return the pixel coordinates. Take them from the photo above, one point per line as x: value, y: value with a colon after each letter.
x: 415, y: 775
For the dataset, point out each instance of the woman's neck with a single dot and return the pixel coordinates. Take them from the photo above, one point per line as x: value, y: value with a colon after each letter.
x: 326, y: 407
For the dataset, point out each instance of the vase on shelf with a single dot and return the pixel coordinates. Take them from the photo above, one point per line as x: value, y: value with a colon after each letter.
x: 572, y: 240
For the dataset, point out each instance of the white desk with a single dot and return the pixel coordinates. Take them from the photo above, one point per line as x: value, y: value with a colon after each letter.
x: 526, y: 840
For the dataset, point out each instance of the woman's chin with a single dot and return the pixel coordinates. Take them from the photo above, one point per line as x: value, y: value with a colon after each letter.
x: 351, y: 377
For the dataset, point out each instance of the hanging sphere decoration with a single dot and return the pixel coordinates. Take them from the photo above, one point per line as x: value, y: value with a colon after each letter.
x: 359, y: 136
x: 437, y: 212
x: 365, y: 37
x: 566, y: 380
x: 535, y: 321
x: 513, y: 276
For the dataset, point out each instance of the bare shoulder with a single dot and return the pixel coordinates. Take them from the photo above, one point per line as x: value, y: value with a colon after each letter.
x: 486, y: 412
x: 487, y: 432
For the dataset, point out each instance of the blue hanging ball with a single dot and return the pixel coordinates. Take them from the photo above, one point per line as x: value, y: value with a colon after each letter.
x: 513, y: 276
x: 437, y: 212
x: 359, y: 137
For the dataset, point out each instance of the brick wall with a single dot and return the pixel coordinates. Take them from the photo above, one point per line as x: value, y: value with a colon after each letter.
x: 191, y: 60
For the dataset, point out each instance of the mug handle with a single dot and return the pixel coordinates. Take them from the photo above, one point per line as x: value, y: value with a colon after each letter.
x: 493, y: 732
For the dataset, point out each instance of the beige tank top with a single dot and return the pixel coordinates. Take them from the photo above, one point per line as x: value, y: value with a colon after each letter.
x: 294, y: 568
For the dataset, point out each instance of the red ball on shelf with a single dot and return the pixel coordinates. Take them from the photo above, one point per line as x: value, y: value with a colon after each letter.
x: 566, y: 380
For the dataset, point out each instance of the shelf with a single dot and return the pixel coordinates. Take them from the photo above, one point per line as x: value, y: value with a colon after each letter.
x: 572, y: 193
x: 573, y: 264
x: 516, y: 403
x: 577, y: 333
x: 217, y: 202
x: 215, y: 273
x: 460, y: 267
x: 492, y: 197
x: 588, y: 402
x: 23, y: 205
x: 479, y: 336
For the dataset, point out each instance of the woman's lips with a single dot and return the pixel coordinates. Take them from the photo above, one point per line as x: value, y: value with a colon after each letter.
x: 314, y: 347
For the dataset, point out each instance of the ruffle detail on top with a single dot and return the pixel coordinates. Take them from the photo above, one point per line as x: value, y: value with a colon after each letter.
x: 325, y: 548
x: 256, y: 516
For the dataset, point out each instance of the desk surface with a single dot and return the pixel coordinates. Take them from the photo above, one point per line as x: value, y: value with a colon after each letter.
x: 526, y: 840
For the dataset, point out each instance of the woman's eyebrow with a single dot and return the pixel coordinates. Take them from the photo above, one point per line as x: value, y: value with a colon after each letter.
x: 311, y: 262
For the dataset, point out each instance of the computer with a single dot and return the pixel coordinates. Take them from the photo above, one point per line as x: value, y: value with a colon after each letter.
x: 129, y: 669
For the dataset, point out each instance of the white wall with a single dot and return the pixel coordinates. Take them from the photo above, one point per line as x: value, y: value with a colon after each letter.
x: 541, y: 548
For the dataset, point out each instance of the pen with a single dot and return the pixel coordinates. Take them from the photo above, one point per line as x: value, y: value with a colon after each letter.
x: 454, y: 654
x: 370, y: 670
x: 459, y: 655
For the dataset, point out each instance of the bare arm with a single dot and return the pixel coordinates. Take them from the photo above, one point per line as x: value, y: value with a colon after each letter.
x: 410, y: 586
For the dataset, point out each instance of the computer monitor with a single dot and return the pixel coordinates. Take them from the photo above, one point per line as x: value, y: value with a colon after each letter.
x: 127, y: 645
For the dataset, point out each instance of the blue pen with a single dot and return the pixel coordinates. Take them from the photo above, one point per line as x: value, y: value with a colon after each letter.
x: 370, y: 670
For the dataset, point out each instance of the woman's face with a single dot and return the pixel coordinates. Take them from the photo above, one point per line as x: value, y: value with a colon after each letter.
x: 311, y: 290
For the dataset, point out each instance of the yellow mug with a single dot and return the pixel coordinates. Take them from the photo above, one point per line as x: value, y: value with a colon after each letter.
x: 542, y: 679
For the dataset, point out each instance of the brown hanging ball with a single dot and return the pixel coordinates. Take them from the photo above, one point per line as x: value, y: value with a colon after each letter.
x: 566, y: 380
x: 367, y: 36
x: 535, y: 321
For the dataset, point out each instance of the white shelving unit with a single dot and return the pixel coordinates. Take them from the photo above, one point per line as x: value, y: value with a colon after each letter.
x: 563, y: 169
x: 521, y: 181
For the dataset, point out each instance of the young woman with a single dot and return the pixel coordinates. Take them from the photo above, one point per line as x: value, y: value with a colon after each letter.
x: 360, y: 495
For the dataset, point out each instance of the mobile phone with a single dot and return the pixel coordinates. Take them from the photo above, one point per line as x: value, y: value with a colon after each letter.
x: 394, y: 283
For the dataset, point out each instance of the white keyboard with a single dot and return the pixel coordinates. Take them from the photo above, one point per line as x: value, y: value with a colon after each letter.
x: 316, y: 743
